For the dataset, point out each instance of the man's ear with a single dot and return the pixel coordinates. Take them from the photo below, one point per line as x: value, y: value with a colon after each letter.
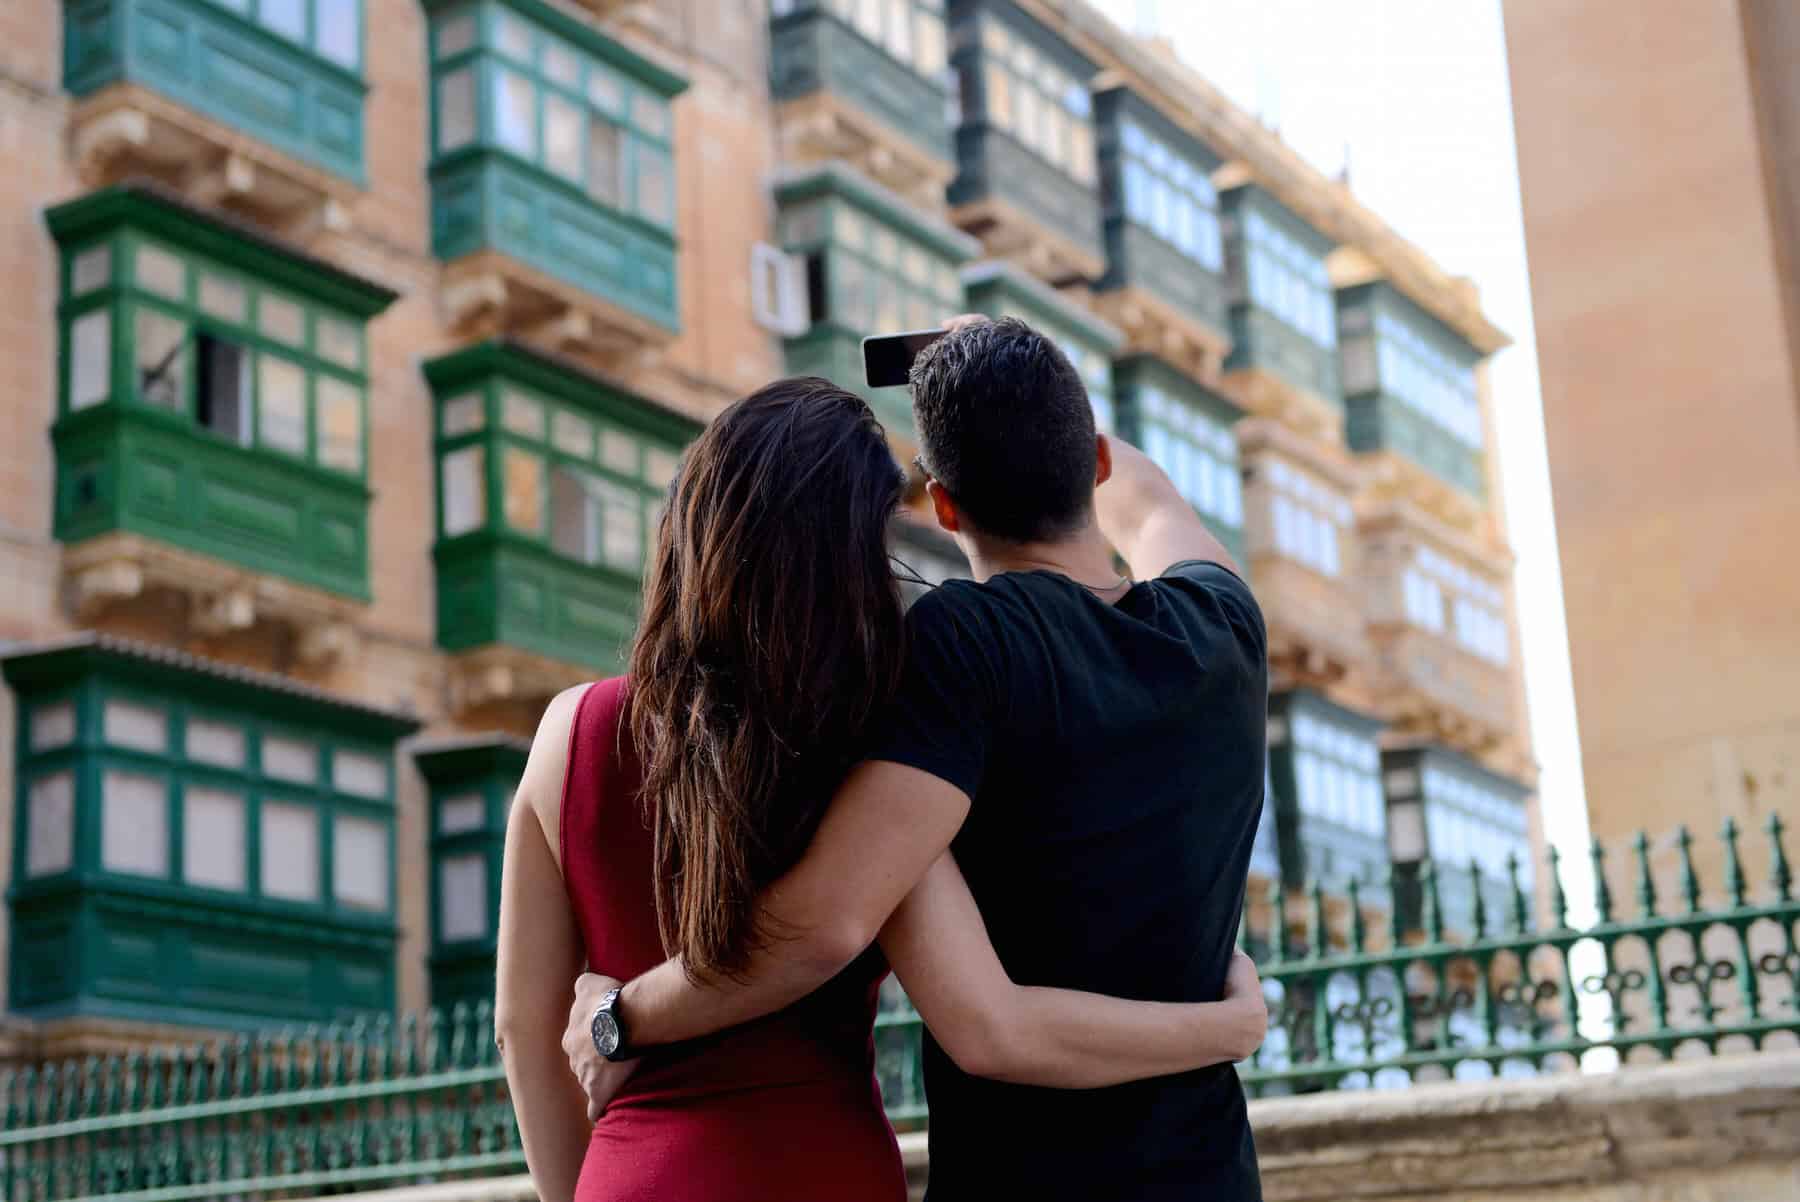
x: 1102, y: 460
x: 943, y: 506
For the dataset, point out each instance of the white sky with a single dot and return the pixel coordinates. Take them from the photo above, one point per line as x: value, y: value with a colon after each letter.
x: 1415, y: 93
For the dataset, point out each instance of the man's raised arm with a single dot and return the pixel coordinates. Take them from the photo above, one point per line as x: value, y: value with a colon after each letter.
x: 886, y: 826
x: 1146, y: 518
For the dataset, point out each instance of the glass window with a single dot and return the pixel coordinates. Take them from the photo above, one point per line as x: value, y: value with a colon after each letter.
x: 659, y: 467
x: 513, y: 36
x: 90, y: 359
x: 161, y: 272
x: 52, y: 726
x: 463, y: 415
x: 288, y: 759
x: 456, y: 108
x: 339, y: 29
x: 289, y: 867
x: 561, y: 65
x: 622, y: 533
x: 338, y: 341
x: 563, y: 137
x: 521, y: 414
x: 604, y: 166
x: 455, y: 34
x: 462, y: 897
x: 572, y: 434
x: 524, y: 491
x: 281, y: 407
x: 458, y: 815
x: 50, y: 825
x: 224, y: 298
x: 134, y: 823
x: 655, y: 186
x: 222, y: 401
x: 135, y: 726
x: 281, y: 319
x: 619, y: 451
x: 465, y: 490
x: 92, y: 269
x: 359, y: 774
x: 161, y: 365
x: 359, y: 862
x: 220, y: 744
x: 340, y: 425
x: 574, y: 521
x: 214, y: 849
x: 515, y: 125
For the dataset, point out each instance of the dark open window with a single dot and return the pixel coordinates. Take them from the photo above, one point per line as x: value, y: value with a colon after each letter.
x: 222, y: 403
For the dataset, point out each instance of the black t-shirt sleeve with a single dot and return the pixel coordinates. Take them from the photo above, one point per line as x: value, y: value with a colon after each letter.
x: 1218, y: 587
x: 942, y: 719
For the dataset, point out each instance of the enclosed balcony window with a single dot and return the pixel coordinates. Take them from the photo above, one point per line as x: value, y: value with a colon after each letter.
x: 194, y: 805
x: 1442, y: 596
x: 1198, y: 452
x: 1045, y: 107
x: 1308, y: 520
x: 471, y: 782
x: 1472, y: 822
x: 912, y: 31
x: 1437, y: 385
x: 553, y: 144
x: 1286, y: 278
x: 1169, y: 194
x: 236, y: 371
x: 551, y: 486
x: 1337, y: 771
x: 287, y: 73
x: 1331, y: 813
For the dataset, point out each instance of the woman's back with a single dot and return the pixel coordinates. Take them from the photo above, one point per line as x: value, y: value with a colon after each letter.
x: 786, y: 1108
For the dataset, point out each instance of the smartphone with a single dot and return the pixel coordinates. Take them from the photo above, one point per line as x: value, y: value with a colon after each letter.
x: 888, y: 359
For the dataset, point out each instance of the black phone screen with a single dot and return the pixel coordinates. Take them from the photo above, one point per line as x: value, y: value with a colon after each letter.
x: 888, y: 358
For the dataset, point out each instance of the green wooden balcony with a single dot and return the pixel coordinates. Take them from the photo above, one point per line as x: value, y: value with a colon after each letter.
x: 212, y: 403
x: 195, y: 843
x: 552, y: 176
x: 285, y: 72
x: 1027, y: 181
x: 1283, y: 361
x: 1165, y: 251
x: 1410, y: 389
x: 1331, y: 815
x: 471, y: 781
x: 1187, y: 429
x: 550, y: 486
x: 864, y: 84
x: 875, y: 265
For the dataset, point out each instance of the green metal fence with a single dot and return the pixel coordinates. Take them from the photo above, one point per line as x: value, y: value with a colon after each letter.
x: 1355, y: 1003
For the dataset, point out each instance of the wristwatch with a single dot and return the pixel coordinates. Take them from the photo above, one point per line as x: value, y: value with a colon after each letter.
x: 608, y: 1029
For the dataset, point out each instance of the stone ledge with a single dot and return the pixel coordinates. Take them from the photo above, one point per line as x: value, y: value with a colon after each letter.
x: 1566, y: 1136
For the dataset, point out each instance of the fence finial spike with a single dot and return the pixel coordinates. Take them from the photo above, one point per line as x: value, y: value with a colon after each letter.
x: 1690, y: 881
x: 1646, y: 884
x: 1735, y: 885
x: 1521, y: 905
x: 1434, y: 907
x: 1780, y: 875
x: 1603, y: 903
x: 1559, y: 897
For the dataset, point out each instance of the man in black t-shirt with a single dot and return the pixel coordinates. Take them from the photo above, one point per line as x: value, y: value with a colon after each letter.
x: 1092, y: 750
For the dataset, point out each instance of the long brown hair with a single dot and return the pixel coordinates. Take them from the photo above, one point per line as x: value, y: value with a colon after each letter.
x: 770, y: 635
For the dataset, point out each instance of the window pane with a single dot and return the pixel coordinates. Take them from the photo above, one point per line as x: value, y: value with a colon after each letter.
x: 161, y: 272
x: 337, y: 31
x: 455, y: 34
x: 359, y: 862
x: 289, y: 867
x: 562, y: 136
x: 604, y: 164
x: 999, y: 96
x: 222, y: 400
x: 512, y: 36
x: 604, y: 90
x: 281, y: 405
x: 224, y: 298
x: 659, y: 466
x: 655, y: 186
x: 340, y: 424
x: 572, y: 434
x: 92, y: 269
x: 285, y: 17
x: 463, y: 415
x: 622, y: 541
x: 288, y: 759
x: 139, y: 727
x: 457, y: 815
x: 213, y: 846
x: 338, y: 341
x: 90, y: 359
x: 573, y: 515
x: 524, y: 491
x: 281, y: 319
x: 52, y: 726
x: 560, y: 65
x: 218, y: 743
x: 929, y: 31
x: 619, y: 451
x: 465, y: 490
x: 456, y: 108
x: 462, y: 897
x: 515, y: 125
x: 50, y: 825
x: 161, y: 365
x: 134, y: 824
x: 522, y: 414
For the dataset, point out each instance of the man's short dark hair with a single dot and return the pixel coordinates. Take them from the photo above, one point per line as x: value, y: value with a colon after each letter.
x: 1006, y: 427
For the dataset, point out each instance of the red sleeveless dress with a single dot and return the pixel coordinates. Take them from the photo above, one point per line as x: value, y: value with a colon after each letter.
x: 785, y: 1109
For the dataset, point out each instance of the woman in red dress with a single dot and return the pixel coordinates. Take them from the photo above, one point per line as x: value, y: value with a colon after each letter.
x: 648, y: 818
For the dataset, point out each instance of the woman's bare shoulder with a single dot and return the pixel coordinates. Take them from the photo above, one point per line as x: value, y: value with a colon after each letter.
x: 547, y: 767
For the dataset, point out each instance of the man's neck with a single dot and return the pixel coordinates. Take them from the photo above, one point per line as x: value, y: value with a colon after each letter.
x: 1085, y: 557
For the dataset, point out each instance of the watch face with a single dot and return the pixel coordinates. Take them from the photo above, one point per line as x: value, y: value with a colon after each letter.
x: 606, y: 1033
